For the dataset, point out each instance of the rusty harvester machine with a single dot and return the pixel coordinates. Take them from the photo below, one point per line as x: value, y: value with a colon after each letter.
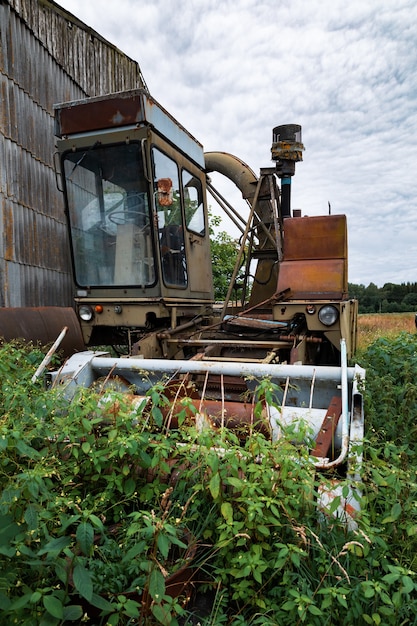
x: 135, y: 184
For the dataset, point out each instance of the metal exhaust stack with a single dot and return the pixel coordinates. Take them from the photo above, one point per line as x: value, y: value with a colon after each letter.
x: 286, y: 151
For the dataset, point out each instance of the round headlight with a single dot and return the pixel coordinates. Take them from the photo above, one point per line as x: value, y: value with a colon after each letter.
x: 86, y: 313
x: 328, y: 315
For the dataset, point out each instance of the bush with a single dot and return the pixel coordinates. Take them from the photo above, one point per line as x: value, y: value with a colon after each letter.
x: 100, y: 504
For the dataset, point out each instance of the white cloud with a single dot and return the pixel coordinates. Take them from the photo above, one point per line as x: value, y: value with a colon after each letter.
x: 231, y: 70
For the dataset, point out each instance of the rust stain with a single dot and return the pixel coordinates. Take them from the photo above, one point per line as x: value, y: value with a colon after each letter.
x: 8, y: 232
x: 99, y: 114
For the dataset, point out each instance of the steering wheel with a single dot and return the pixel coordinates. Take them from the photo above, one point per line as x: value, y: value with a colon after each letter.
x: 120, y: 216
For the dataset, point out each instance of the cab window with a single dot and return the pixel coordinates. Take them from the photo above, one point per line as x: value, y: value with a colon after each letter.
x: 170, y: 224
x: 193, y: 203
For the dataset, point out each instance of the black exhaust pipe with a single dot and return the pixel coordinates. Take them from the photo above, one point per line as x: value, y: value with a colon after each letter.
x: 286, y: 151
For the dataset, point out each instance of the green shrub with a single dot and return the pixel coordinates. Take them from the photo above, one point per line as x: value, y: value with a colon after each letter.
x: 99, y: 505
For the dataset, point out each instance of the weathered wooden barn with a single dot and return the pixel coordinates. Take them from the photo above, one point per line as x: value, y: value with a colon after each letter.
x: 47, y: 56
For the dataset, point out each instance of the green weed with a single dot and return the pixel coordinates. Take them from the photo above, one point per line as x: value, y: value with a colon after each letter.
x: 101, y: 507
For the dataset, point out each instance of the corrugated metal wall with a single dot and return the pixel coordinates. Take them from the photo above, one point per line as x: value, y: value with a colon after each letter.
x: 46, y: 56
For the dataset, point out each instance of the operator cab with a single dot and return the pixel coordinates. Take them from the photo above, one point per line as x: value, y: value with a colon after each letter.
x: 134, y: 187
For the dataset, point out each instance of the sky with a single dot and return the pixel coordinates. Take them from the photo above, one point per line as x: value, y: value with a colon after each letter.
x: 232, y: 70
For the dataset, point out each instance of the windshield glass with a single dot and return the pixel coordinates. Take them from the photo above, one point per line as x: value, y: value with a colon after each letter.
x: 109, y: 212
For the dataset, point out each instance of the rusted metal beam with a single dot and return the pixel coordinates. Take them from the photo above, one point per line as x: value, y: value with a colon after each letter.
x: 328, y: 428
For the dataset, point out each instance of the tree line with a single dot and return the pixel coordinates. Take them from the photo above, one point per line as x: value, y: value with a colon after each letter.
x: 390, y: 298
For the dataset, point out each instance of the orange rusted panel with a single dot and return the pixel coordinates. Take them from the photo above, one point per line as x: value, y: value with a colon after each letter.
x: 232, y: 415
x: 328, y: 428
x: 319, y: 237
x: 314, y: 279
x: 315, y: 257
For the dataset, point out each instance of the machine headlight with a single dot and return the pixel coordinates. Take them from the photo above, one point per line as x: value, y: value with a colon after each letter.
x: 86, y: 313
x: 328, y: 315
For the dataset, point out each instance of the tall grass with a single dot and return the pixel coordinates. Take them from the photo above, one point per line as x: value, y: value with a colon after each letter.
x: 372, y: 326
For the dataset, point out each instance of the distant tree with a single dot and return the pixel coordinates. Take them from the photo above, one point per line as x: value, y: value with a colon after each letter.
x: 356, y: 291
x: 394, y: 307
x: 390, y: 298
x: 410, y: 301
x: 395, y: 293
x: 384, y: 306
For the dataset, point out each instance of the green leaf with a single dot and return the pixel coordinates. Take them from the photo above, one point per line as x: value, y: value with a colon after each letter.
x: 289, y: 605
x: 235, y: 482
x: 4, y: 602
x: 101, y: 603
x: 9, y: 532
x: 163, y: 544
x: 85, y: 447
x: 390, y: 579
x: 73, y: 612
x: 227, y: 512
x: 25, y: 450
x: 82, y: 581
x: 112, y: 434
x: 86, y: 424
x: 394, y: 514
x: 54, y: 547
x: 342, y: 600
x: 396, y: 510
x: 334, y: 504
x: 157, y: 416
x: 19, y: 603
x: 162, y: 614
x: 96, y: 521
x: 31, y: 517
x: 257, y: 576
x: 131, y: 608
x: 85, y: 537
x: 408, y: 584
x: 379, y: 480
x: 54, y: 606
x: 214, y: 486
x: 369, y: 592
x: 156, y: 585
x: 314, y: 610
x: 35, y: 597
x: 136, y: 549
x: 129, y: 486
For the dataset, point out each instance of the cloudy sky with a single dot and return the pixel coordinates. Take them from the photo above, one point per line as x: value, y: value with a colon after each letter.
x: 231, y: 70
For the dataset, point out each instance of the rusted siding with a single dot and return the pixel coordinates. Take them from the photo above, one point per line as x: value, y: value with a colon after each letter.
x: 47, y: 56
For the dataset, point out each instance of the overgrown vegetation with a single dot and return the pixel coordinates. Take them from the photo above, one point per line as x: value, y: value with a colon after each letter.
x: 100, y: 506
x: 224, y: 252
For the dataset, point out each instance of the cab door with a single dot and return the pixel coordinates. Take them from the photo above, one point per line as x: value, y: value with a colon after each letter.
x: 181, y: 217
